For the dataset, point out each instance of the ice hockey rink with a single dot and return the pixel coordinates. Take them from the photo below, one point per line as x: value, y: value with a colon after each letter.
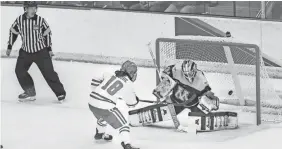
x: 45, y: 124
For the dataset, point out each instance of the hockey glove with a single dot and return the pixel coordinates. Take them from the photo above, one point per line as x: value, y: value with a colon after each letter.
x: 214, y: 99
x: 51, y: 53
x: 208, y: 104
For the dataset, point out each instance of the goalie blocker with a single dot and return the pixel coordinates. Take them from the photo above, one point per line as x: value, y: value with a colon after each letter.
x: 213, y: 121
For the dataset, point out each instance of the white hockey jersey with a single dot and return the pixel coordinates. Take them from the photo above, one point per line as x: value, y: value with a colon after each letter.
x: 107, y: 90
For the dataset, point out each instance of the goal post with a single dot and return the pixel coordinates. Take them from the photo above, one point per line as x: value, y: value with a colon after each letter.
x: 229, y: 65
x: 258, y: 100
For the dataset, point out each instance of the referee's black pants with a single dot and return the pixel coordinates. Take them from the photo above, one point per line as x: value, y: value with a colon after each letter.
x: 43, y: 60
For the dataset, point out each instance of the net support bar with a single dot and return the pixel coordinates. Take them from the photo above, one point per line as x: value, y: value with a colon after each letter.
x: 234, y: 73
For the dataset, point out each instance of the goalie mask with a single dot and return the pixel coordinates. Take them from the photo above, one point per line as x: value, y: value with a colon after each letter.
x: 189, y: 69
x: 130, y: 69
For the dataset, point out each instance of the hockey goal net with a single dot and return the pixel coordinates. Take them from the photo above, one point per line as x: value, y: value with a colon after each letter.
x: 236, y: 72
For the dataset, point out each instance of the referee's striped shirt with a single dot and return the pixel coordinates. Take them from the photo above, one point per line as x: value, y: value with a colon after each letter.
x: 35, y: 33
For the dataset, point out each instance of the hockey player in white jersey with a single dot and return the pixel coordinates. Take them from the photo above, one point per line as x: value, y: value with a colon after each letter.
x: 106, y: 92
x: 184, y: 86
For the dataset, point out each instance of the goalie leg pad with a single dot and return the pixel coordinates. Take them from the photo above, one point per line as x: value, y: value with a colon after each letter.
x: 149, y: 115
x: 214, y: 121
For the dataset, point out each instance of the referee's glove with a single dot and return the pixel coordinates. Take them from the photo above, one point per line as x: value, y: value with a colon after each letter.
x: 9, y: 49
x: 51, y: 53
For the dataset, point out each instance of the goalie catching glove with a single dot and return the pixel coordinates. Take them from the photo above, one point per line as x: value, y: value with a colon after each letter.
x: 208, y: 102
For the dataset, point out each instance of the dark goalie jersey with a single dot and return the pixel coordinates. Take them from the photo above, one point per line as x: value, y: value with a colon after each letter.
x: 184, y: 89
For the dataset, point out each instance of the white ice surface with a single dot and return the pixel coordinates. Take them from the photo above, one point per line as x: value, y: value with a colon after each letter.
x: 45, y: 124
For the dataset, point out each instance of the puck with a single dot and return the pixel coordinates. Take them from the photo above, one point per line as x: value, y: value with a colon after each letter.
x: 230, y: 92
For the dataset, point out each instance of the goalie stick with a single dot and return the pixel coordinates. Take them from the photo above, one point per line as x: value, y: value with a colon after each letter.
x: 148, y: 101
x: 170, y: 106
x: 175, y: 104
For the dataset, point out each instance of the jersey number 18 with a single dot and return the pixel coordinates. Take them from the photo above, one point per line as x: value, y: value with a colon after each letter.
x: 113, y: 86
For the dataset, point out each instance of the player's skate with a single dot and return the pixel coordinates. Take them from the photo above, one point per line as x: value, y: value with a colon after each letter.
x: 128, y: 146
x: 61, y: 98
x: 102, y: 136
x: 27, y: 96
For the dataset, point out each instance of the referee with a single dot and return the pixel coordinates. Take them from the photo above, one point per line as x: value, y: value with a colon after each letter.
x: 36, y: 47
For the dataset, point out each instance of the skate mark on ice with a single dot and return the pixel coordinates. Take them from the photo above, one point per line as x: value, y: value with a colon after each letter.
x: 45, y: 103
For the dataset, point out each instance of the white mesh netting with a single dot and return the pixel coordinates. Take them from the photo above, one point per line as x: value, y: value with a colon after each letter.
x: 236, y: 72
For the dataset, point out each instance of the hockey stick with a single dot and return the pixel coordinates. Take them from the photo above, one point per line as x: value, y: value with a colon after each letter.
x: 170, y: 106
x: 148, y: 101
x: 166, y: 103
x: 154, y: 60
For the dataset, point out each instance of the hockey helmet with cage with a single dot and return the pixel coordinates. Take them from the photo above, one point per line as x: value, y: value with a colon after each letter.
x: 27, y: 4
x: 130, y: 69
x: 189, y: 69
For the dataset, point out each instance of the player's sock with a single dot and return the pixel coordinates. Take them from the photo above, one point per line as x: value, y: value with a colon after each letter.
x: 101, y: 125
x: 124, y: 134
